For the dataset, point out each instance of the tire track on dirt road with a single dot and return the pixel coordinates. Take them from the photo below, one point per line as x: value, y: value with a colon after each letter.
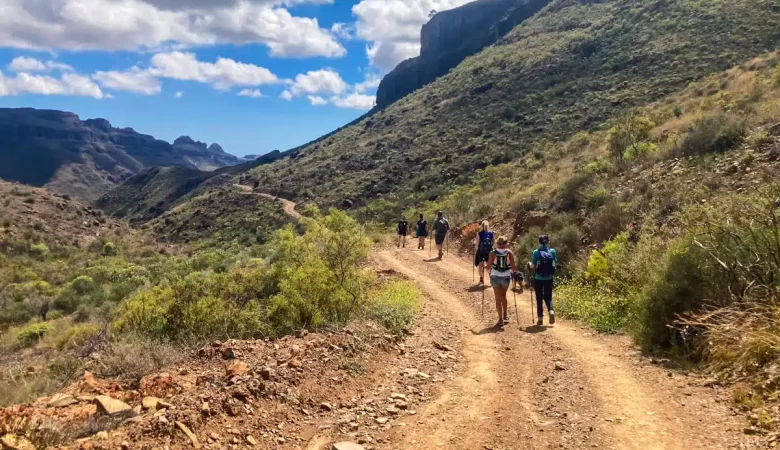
x: 634, y: 412
x: 493, y: 404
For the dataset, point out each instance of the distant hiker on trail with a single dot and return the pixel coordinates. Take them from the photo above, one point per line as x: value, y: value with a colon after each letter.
x: 502, y: 261
x: 543, y: 262
x: 440, y: 229
x: 422, y: 232
x: 483, y: 246
x: 403, y: 231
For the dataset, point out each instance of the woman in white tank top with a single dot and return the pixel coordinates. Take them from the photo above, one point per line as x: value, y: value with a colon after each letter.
x: 502, y: 261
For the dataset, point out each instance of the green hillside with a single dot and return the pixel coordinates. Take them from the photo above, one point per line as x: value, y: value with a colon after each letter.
x: 568, y: 69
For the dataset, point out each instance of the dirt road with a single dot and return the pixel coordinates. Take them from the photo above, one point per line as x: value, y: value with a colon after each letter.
x: 287, y: 205
x: 552, y: 387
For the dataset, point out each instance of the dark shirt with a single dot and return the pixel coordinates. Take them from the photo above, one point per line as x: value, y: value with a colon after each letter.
x: 403, y: 226
x: 422, y: 227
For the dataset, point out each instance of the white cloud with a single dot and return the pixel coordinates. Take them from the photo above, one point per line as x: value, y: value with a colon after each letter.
x: 253, y: 93
x: 354, y: 101
x: 317, y: 100
x: 343, y: 31
x: 152, y: 24
x: 179, y: 94
x: 393, y: 27
x: 25, y: 64
x: 223, y: 74
x: 286, y: 95
x: 325, y: 81
x: 371, y: 82
x: 68, y: 84
x: 135, y: 80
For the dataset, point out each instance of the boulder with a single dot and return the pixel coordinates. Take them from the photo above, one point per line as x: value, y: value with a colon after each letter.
x: 62, y: 400
x: 347, y: 446
x: 14, y: 442
x: 111, y: 406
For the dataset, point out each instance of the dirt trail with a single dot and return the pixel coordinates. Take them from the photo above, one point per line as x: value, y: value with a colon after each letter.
x: 287, y: 205
x: 552, y: 386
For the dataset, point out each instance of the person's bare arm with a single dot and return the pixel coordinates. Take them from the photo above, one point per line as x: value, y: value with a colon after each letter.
x: 512, y: 263
x: 492, y: 259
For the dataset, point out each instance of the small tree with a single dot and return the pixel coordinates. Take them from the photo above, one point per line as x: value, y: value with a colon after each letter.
x: 629, y: 133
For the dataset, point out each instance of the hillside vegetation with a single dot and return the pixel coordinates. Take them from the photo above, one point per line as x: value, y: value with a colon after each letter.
x: 568, y: 69
x: 82, y: 291
x: 665, y: 220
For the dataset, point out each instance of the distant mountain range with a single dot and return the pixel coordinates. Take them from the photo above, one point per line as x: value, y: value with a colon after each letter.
x: 87, y: 158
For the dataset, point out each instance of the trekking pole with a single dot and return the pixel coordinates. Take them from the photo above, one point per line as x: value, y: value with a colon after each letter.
x: 448, y: 244
x: 483, y: 303
x: 517, y: 312
x: 532, y: 301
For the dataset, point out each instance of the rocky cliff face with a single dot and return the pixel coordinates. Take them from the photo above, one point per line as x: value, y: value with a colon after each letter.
x: 451, y: 36
x: 87, y: 158
x: 202, y: 156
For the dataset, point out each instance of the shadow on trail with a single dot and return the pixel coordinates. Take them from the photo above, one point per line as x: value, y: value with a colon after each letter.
x: 535, y: 329
x: 432, y: 260
x: 478, y: 288
x: 488, y: 330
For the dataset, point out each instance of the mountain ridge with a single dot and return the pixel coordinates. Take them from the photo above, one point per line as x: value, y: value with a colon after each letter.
x: 86, y: 158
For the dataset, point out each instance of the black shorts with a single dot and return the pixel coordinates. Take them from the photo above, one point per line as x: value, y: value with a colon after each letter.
x: 439, y: 238
x: 402, y: 232
x: 481, y: 257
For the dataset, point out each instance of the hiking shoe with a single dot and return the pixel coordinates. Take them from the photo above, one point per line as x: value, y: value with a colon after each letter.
x: 481, y: 280
x: 552, y: 318
x: 540, y: 322
x: 499, y: 324
x: 506, y: 320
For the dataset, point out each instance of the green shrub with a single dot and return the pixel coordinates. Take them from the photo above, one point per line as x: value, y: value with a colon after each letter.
x: 684, y: 281
x: 395, y: 305
x: 40, y: 250
x: 598, y: 198
x: 569, y: 195
x: 598, y: 308
x: 110, y: 249
x: 30, y: 335
x: 607, y: 222
x: 716, y: 134
x: 78, y: 336
x: 628, y: 134
x: 678, y: 111
x: 83, y: 285
x: 54, y: 315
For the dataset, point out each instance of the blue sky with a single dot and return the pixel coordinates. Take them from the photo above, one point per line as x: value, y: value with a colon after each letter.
x: 251, y: 75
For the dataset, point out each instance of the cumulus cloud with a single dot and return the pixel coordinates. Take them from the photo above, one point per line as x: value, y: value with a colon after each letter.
x: 179, y: 94
x: 371, y: 82
x: 354, y: 101
x: 223, y: 74
x: 316, y: 100
x: 286, y: 95
x: 135, y: 80
x: 25, y: 64
x: 67, y: 84
x: 252, y: 93
x: 325, y: 81
x: 393, y: 27
x: 152, y: 24
x: 343, y: 30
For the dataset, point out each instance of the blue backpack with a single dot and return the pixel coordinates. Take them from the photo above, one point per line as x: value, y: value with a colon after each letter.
x: 546, y: 265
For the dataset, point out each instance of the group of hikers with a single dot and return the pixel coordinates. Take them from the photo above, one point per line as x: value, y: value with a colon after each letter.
x: 494, y: 255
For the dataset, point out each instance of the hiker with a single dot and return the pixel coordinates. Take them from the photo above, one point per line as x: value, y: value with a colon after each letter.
x: 502, y: 261
x: 422, y: 232
x: 403, y: 230
x: 543, y: 262
x: 440, y: 229
x: 483, y: 246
